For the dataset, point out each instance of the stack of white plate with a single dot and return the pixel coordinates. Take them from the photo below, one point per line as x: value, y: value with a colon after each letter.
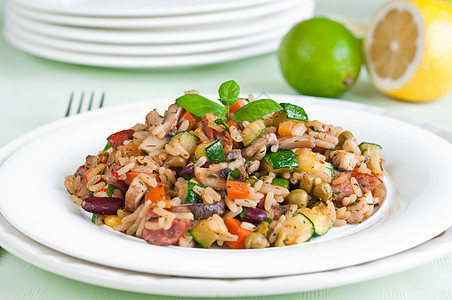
x: 150, y: 33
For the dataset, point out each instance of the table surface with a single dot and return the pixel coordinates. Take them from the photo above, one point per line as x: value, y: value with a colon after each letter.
x: 35, y: 91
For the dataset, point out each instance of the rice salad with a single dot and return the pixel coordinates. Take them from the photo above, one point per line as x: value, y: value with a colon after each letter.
x: 237, y: 173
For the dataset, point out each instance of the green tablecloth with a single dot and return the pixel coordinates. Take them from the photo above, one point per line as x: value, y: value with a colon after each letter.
x: 34, y: 91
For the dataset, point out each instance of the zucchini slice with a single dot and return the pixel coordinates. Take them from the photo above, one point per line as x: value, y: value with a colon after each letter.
x: 283, y: 182
x: 212, y: 150
x: 187, y: 140
x: 203, y: 235
x: 190, y: 196
x: 298, y: 222
x: 215, y: 152
x: 369, y: 148
x: 290, y: 112
x: 252, y: 131
x: 281, y: 161
x: 322, y: 223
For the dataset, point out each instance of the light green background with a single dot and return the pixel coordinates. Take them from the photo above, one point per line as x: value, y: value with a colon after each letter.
x: 34, y: 91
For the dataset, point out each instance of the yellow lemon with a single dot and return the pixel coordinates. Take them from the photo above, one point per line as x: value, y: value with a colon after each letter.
x: 408, y: 49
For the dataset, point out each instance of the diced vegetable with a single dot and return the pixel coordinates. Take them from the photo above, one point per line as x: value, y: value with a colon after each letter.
x: 112, y: 220
x: 234, y: 228
x: 156, y: 194
x: 132, y: 174
x: 190, y: 195
x: 191, y: 120
x: 252, y: 131
x: 203, y: 235
x: 187, y: 140
x: 215, y: 152
x: 300, y: 223
x: 233, y: 175
x: 369, y: 148
x: 256, y: 240
x: 237, y: 189
x: 310, y: 164
x: 322, y: 223
x: 281, y: 161
x: 201, y: 149
x: 237, y: 105
x: 282, y: 182
x: 285, y: 128
x: 290, y: 112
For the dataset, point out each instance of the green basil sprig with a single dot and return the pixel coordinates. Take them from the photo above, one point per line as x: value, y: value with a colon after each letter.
x: 229, y: 92
x: 255, y: 110
x: 200, y: 106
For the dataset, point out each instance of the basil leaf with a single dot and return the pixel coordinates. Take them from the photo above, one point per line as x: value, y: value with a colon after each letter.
x: 234, y: 174
x: 222, y: 122
x: 110, y: 190
x: 229, y: 92
x: 255, y: 110
x: 107, y: 146
x: 200, y: 106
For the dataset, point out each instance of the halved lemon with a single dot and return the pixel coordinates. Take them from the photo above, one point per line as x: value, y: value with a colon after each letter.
x: 408, y: 49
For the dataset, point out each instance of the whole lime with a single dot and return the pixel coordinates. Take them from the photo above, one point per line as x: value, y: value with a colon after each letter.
x: 320, y: 57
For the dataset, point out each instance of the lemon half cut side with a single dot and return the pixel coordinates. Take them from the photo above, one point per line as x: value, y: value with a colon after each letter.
x: 408, y: 49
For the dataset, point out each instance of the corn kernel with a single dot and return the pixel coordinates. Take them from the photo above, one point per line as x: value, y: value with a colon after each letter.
x: 112, y: 220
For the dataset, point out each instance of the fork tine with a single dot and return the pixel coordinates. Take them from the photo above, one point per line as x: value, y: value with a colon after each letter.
x: 101, y: 104
x: 91, y: 101
x: 68, y: 111
x: 81, y: 102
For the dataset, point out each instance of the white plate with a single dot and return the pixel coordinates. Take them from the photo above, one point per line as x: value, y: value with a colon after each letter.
x: 25, y: 248
x: 420, y: 176
x: 143, y: 61
x: 163, y: 35
x: 143, y: 50
x: 132, y: 8
x: 247, y: 13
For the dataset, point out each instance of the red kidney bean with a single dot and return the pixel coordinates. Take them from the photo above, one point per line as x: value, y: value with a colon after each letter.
x: 253, y: 215
x: 102, y: 205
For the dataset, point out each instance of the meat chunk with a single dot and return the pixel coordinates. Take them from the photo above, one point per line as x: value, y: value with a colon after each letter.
x: 202, y: 211
x: 165, y: 237
x: 233, y: 154
x: 151, y: 143
x: 291, y: 142
x: 267, y: 139
x: 153, y: 118
x: 225, y: 139
x: 171, y: 117
x: 136, y: 191
x: 367, y: 182
x: 208, y: 177
x: 117, y: 139
x: 346, y: 161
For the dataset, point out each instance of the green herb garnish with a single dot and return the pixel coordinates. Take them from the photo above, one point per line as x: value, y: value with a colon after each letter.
x: 255, y: 110
x: 200, y: 106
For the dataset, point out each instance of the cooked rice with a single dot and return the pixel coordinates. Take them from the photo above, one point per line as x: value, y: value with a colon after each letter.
x: 146, y: 153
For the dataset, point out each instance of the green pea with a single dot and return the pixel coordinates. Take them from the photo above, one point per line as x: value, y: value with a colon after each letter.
x: 264, y: 229
x: 256, y: 240
x: 298, y: 197
x: 323, y: 191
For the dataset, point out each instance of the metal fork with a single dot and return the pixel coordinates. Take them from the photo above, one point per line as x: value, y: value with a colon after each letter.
x: 76, y: 109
